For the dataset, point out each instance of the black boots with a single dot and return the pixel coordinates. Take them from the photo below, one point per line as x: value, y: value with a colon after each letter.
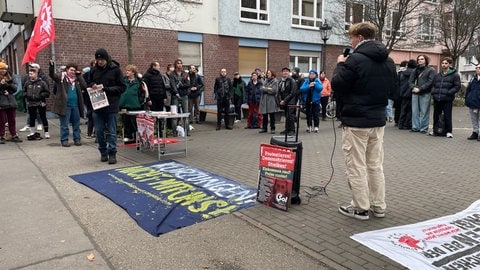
x: 112, y: 158
x: 474, y: 136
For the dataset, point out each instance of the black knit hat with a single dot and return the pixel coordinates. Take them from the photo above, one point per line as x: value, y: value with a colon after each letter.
x: 297, y: 70
x: 101, y: 54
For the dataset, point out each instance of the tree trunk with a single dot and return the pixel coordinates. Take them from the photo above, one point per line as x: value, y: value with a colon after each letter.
x: 129, y: 47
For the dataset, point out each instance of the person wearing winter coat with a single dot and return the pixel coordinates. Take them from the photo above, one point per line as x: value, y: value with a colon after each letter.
x: 68, y: 102
x: 326, y: 93
x: 420, y: 83
x: 446, y: 84
x: 131, y: 100
x: 194, y: 94
x: 311, y: 92
x: 362, y: 81
x: 405, y: 119
x: 156, y: 87
x: 36, y: 92
x: 252, y: 99
x: 107, y: 72
x: 238, y: 88
x: 223, y: 93
x: 8, y: 104
x: 472, y: 101
x: 287, y: 94
x: 268, y: 101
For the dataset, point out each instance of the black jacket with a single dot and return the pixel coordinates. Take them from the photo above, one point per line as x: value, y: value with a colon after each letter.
x: 363, y: 83
x: 7, y: 99
x: 287, y: 90
x: 154, y: 81
x: 403, y: 77
x: 445, y: 86
x: 112, y: 79
x: 195, y: 81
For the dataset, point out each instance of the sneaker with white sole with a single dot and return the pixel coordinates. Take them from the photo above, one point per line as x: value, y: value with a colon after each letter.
x: 25, y: 128
x: 308, y: 129
x: 47, y: 135
x: 449, y: 135
x: 315, y: 129
x: 377, y: 212
x: 348, y: 211
x: 39, y: 127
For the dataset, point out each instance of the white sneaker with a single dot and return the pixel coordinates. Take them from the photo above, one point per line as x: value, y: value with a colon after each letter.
x: 25, y: 128
x: 39, y: 127
x: 308, y: 129
x: 237, y: 121
x: 47, y: 135
x: 316, y: 130
x: 449, y: 135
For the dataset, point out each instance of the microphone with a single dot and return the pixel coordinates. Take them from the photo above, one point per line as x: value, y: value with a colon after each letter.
x: 347, y: 51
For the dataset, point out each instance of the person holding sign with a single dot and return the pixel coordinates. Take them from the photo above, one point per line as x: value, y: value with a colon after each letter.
x: 106, y: 74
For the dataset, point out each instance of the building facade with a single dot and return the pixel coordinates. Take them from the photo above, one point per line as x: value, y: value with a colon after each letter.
x: 238, y: 35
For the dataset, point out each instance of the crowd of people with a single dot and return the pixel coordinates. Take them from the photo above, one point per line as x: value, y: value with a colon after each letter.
x: 265, y: 94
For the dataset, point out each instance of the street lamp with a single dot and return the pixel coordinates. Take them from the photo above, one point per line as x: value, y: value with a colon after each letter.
x: 325, y: 31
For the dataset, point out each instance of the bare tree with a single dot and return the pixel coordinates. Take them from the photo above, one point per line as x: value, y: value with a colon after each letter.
x: 389, y: 16
x: 130, y: 14
x: 458, y: 25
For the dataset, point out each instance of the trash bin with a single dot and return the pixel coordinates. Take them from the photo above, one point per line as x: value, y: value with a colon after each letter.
x: 297, y: 148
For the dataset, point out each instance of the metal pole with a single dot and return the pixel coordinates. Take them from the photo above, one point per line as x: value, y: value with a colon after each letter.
x: 324, y: 55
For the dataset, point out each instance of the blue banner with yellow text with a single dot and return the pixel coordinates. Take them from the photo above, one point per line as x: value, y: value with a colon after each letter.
x: 168, y: 195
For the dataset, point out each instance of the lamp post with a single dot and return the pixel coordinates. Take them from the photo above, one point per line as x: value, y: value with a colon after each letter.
x: 325, y: 31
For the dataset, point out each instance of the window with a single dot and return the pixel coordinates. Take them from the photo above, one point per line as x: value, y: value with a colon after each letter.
x: 354, y: 13
x: 426, y: 29
x: 254, y: 10
x: 307, y: 12
x: 305, y: 61
x: 191, y: 54
x: 249, y: 58
x: 393, y: 19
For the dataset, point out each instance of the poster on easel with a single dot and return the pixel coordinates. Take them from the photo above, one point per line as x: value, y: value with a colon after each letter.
x: 275, y: 179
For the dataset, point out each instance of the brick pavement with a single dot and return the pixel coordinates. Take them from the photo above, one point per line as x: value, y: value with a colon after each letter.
x: 426, y: 177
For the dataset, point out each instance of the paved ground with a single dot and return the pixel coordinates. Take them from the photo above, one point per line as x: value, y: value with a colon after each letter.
x: 51, y: 222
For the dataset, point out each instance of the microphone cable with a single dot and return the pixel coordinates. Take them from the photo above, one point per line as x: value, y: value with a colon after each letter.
x: 322, y: 190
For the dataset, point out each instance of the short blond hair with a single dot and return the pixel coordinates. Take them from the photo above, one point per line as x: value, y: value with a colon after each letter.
x: 132, y: 68
x: 365, y: 29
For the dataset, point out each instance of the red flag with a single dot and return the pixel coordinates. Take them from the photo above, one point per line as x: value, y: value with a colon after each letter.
x: 43, y: 32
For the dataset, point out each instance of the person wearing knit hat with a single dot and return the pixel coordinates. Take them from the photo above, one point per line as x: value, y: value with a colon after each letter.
x: 8, y: 104
x: 310, y: 90
x: 314, y: 71
x: 107, y: 74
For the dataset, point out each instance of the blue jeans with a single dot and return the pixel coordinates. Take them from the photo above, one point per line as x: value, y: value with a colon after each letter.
x: 390, y: 108
x: 420, y: 112
x: 107, y: 141
x: 72, y: 116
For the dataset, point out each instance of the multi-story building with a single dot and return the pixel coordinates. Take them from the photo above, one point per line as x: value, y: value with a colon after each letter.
x: 238, y: 35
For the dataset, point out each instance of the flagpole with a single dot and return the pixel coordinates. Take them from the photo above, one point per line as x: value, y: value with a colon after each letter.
x: 52, y: 47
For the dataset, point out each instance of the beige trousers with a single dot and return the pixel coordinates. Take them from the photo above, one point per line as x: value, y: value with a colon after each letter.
x: 363, y: 149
